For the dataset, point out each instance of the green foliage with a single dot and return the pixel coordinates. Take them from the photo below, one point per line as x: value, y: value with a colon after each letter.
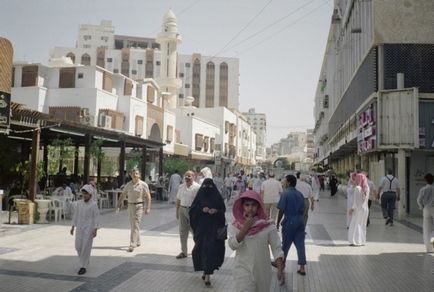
x: 134, y: 160
x: 60, y: 150
x: 171, y: 164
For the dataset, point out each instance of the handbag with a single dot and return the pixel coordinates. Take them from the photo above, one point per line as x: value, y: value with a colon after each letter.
x: 222, y: 233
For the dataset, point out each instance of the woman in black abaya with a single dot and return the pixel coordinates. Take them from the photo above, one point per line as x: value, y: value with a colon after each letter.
x: 207, y: 214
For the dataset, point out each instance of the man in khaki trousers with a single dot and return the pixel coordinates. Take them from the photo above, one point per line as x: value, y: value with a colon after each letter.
x: 137, y: 192
x: 186, y: 194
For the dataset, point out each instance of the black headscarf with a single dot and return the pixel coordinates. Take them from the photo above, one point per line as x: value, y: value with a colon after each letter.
x: 207, y: 196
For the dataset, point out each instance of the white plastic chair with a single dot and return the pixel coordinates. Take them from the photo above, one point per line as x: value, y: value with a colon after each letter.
x: 57, y: 207
x: 103, y: 200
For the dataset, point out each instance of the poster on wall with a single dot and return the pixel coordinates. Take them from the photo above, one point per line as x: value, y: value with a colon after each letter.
x: 5, y: 109
x: 367, y: 129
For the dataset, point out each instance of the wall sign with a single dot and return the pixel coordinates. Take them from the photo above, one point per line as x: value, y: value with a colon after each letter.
x: 367, y: 135
x: 5, y: 109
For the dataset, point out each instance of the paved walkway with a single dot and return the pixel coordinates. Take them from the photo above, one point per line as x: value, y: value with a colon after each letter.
x: 44, y: 259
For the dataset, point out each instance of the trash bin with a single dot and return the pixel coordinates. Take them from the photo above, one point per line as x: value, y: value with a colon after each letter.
x: 26, y: 211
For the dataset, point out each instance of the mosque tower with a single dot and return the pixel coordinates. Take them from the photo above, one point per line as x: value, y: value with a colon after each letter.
x: 168, y: 39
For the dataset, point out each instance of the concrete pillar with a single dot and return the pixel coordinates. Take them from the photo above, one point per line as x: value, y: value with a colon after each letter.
x: 86, y: 166
x: 402, y: 184
x: 34, y: 164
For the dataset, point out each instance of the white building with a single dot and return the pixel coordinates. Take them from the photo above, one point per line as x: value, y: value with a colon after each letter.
x: 258, y: 122
x: 213, y: 81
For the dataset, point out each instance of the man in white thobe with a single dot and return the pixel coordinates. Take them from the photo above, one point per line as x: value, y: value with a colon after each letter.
x: 86, y: 222
x: 271, y: 189
x: 425, y: 200
x: 303, y: 187
x: 174, y: 182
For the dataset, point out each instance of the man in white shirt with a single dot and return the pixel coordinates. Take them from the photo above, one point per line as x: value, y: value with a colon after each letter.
x: 271, y: 189
x: 304, y: 188
x: 389, y: 192
x: 425, y: 200
x: 174, y: 183
x: 186, y: 194
x: 228, y: 186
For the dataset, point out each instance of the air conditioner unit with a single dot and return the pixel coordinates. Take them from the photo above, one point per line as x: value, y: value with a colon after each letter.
x: 105, y: 121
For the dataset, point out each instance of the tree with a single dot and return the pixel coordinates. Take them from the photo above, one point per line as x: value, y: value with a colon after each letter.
x: 60, y: 152
x: 173, y: 163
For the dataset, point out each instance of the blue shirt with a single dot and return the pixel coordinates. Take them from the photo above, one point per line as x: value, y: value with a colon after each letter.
x: 292, y: 205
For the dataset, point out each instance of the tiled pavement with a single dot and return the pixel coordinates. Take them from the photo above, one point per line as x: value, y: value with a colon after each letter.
x: 44, y: 259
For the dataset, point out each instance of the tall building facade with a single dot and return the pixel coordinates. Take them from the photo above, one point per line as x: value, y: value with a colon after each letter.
x: 212, y: 81
x: 258, y: 122
x: 374, y: 102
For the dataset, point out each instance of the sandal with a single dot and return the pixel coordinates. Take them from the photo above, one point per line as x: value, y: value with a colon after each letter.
x: 303, y: 273
x: 181, y: 256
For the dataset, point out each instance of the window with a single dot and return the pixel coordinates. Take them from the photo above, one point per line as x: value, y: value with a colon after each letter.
x: 115, y: 70
x: 196, y: 82
x: 109, y: 60
x: 198, y: 142
x: 209, y: 85
x: 226, y: 127
x: 87, y: 37
x: 100, y: 57
x: 181, y: 95
x: 151, y: 94
x: 104, y: 38
x: 85, y: 59
x: 71, y: 56
x: 181, y: 75
x: 128, y: 87
x: 158, y: 63
x: 205, y: 144
x: 139, y: 126
x: 187, y: 65
x: 107, y: 81
x: 87, y: 46
x: 212, y: 145
x: 29, y: 76
x: 326, y: 101
x: 80, y: 75
x: 140, y: 62
x: 134, y: 72
x: 169, y: 134
x: 67, y: 78
x: 187, y: 85
x: 223, y: 99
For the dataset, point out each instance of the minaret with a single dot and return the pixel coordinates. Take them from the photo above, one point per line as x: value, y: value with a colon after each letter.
x: 168, y: 39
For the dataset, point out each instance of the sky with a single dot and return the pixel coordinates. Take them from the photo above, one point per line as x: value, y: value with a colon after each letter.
x: 280, y: 43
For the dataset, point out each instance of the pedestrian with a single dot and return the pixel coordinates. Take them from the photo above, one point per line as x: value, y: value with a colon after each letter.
x: 271, y: 189
x: 94, y: 190
x: 257, y: 182
x: 174, y: 182
x: 251, y: 235
x: 350, y: 197
x: 321, y: 182
x: 315, y: 187
x: 207, y: 215
x: 228, y: 187
x: 218, y: 181
x: 304, y: 188
x: 240, y: 185
x: 186, y: 194
x: 359, y: 210
x: 372, y: 196
x: 389, y: 192
x: 425, y: 200
x: 333, y: 183
x: 86, y: 222
x: 137, y: 193
x: 291, y: 207
x: 205, y: 173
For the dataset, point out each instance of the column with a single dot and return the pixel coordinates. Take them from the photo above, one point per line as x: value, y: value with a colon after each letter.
x: 402, y: 178
x: 76, y: 157
x: 122, y: 164
x: 34, y: 164
x: 87, y: 142
x: 144, y: 160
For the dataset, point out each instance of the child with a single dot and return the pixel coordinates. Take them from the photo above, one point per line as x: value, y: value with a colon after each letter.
x: 251, y: 234
x: 86, y: 219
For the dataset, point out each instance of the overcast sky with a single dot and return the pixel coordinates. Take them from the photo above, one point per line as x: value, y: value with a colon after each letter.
x: 280, y: 43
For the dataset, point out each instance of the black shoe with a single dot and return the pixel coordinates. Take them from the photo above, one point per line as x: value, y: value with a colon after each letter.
x: 391, y: 222
x: 82, y: 271
x: 388, y: 221
x: 181, y: 256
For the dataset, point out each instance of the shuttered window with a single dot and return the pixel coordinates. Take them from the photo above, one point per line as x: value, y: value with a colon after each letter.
x: 67, y: 78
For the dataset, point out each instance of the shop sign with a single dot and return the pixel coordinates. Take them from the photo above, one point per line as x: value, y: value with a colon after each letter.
x: 367, y: 129
x: 5, y: 109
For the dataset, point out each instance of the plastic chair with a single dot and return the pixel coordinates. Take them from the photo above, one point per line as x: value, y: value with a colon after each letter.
x: 56, y: 207
x: 103, y: 200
